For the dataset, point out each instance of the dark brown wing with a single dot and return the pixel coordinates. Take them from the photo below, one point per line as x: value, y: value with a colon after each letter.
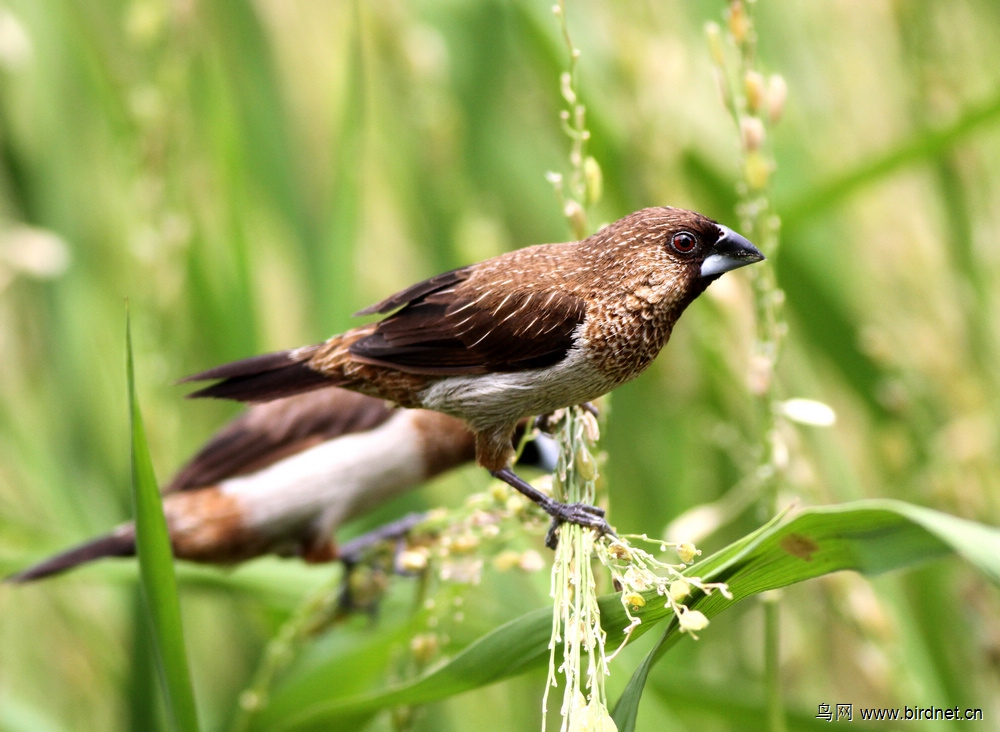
x: 267, y: 433
x: 413, y: 293
x: 452, y: 327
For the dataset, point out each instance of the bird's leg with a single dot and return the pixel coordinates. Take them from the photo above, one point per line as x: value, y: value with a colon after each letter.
x: 352, y: 552
x: 582, y: 514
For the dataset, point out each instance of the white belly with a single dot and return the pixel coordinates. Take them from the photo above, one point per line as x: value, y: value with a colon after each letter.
x: 333, y: 482
x: 493, y: 399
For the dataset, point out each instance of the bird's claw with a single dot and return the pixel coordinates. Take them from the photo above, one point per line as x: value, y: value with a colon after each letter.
x: 581, y: 514
x: 366, y: 575
x: 593, y: 510
x: 353, y: 552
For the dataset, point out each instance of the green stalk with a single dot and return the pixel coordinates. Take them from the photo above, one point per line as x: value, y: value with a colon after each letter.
x: 576, y: 617
x: 156, y: 567
x: 755, y: 103
x: 772, y: 662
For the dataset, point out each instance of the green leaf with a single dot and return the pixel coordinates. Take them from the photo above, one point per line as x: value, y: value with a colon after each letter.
x: 514, y: 648
x: 157, y: 568
x: 867, y: 536
x: 734, y: 705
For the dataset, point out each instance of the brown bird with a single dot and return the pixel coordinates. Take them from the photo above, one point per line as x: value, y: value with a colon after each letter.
x: 283, y: 476
x: 522, y: 334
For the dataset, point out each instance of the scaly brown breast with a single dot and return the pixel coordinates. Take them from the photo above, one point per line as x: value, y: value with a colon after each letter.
x: 625, y: 336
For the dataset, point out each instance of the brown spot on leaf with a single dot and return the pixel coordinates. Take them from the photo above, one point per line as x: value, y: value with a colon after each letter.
x: 799, y: 546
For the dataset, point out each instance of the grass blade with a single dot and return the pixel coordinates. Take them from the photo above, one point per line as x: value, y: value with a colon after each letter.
x: 925, y: 146
x: 157, y: 568
x: 870, y: 537
x: 516, y: 647
x: 866, y: 536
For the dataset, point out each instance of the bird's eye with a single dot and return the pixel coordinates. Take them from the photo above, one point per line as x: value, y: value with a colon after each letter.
x: 684, y: 242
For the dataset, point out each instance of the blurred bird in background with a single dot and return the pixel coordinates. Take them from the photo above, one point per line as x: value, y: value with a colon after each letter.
x: 284, y: 476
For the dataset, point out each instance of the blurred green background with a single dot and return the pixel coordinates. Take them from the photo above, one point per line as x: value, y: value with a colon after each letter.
x: 249, y: 174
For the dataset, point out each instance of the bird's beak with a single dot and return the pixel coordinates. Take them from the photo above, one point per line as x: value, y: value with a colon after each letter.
x: 730, y: 251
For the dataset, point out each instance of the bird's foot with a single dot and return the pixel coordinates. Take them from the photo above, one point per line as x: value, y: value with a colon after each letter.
x: 366, y: 572
x: 353, y: 552
x: 582, y: 514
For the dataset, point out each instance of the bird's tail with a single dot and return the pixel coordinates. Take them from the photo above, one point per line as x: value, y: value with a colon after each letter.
x: 263, y: 378
x: 119, y: 544
x: 282, y: 374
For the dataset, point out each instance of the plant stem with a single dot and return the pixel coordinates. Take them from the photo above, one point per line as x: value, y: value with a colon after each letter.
x: 576, y: 618
x: 281, y: 649
x: 772, y: 664
x: 754, y: 103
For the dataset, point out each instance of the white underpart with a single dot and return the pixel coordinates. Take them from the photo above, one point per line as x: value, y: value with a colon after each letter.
x: 323, y: 487
x: 486, y: 400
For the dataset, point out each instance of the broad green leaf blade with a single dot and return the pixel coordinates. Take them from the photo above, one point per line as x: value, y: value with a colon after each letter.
x: 514, y: 648
x: 735, y: 706
x: 146, y: 711
x: 157, y: 567
x: 867, y: 536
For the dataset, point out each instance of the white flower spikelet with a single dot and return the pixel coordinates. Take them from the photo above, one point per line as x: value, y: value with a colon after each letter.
x: 576, y: 620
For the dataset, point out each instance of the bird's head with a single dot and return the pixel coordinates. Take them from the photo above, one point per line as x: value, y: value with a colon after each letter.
x: 668, y: 256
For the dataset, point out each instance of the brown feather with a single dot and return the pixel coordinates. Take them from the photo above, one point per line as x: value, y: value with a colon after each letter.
x: 267, y: 433
x: 523, y: 333
x: 467, y: 329
x: 417, y: 291
x: 263, y: 378
x: 253, y: 365
x: 119, y: 544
